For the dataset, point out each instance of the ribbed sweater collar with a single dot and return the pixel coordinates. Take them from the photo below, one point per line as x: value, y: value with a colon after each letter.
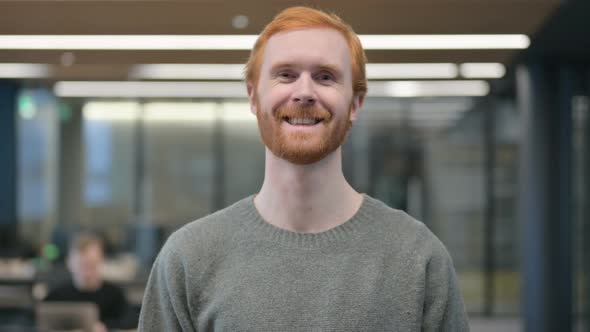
x: 263, y: 229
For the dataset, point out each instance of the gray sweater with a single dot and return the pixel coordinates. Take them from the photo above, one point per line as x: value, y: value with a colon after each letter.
x: 232, y: 271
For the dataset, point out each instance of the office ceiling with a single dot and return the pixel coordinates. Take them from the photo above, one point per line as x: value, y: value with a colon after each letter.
x: 215, y: 17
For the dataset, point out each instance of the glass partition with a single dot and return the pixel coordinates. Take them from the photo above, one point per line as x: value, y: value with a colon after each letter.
x: 151, y: 166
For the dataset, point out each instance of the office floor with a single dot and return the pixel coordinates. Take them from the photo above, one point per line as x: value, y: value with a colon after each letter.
x: 515, y: 324
x: 480, y: 324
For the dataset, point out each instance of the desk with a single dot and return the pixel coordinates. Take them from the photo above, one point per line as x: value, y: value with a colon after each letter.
x: 16, y: 293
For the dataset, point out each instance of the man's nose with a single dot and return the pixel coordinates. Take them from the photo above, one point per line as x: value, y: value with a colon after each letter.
x: 304, y: 93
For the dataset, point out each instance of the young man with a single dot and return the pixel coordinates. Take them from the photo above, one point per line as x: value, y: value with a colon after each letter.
x: 307, y: 253
x: 85, y: 260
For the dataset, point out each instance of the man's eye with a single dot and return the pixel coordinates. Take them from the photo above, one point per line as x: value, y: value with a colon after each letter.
x: 285, y: 75
x: 324, y: 77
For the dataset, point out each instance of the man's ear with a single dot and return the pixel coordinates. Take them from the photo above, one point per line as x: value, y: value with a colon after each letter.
x: 252, y: 97
x: 357, y: 103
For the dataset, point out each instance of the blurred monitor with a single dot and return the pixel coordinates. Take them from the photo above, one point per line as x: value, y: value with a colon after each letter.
x: 9, y: 244
x: 145, y: 241
x: 66, y: 316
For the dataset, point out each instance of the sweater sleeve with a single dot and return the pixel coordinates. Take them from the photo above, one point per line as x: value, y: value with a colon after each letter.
x: 443, y: 305
x: 165, y: 305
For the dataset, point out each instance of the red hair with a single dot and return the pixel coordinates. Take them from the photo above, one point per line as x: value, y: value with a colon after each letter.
x: 305, y: 17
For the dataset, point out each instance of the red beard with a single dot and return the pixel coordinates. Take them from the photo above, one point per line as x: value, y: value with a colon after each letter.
x: 300, y: 147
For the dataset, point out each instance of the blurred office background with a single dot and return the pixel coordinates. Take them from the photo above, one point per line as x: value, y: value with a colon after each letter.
x: 487, y: 144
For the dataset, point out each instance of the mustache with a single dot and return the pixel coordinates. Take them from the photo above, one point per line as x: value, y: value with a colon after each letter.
x: 292, y: 111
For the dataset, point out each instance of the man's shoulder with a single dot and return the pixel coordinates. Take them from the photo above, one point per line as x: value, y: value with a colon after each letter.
x: 63, y: 291
x: 212, y: 230
x: 111, y: 287
x: 398, y: 227
x: 389, y: 219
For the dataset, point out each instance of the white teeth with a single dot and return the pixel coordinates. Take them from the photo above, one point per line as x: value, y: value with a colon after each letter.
x: 301, y: 121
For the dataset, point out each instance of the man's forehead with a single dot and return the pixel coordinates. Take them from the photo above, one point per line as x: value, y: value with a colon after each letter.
x: 320, y: 46
x: 325, y: 32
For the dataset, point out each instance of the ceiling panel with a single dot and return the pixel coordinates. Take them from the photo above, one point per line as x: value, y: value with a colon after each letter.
x: 214, y: 17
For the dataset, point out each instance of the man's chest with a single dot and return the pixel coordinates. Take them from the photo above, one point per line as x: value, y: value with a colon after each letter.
x: 313, y: 290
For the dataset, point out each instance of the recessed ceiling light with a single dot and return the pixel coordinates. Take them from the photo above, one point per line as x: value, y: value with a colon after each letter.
x: 374, y: 71
x: 235, y: 71
x: 150, y: 89
x: 188, y: 71
x: 245, y: 42
x: 111, y: 111
x: 482, y: 70
x: 240, y: 21
x: 24, y: 70
x: 238, y: 90
x: 67, y: 59
x: 411, y: 70
x: 127, y: 42
x: 444, y: 42
x: 237, y: 112
x: 404, y: 89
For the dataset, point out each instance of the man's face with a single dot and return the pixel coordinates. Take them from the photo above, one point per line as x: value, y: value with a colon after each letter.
x: 304, y: 101
x: 86, y: 267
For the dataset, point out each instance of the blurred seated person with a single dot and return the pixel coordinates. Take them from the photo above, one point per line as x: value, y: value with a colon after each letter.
x: 84, y: 261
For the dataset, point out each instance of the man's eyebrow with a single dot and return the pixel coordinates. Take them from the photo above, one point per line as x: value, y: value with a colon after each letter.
x: 331, y: 68
x: 336, y: 70
x: 281, y: 65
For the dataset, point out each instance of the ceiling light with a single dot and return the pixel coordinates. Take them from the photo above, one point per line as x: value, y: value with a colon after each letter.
x: 150, y: 89
x: 188, y: 71
x: 374, y: 71
x: 67, y: 59
x: 411, y: 70
x: 238, y: 90
x: 428, y: 88
x: 111, y: 111
x: 240, y: 21
x: 482, y: 70
x: 443, y: 42
x: 245, y: 42
x: 235, y: 71
x: 127, y: 42
x: 24, y: 70
x: 238, y: 112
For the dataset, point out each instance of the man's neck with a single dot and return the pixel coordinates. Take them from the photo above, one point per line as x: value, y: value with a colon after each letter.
x: 306, y: 198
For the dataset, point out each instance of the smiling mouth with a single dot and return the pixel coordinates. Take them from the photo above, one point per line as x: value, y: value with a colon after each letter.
x: 302, y: 121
